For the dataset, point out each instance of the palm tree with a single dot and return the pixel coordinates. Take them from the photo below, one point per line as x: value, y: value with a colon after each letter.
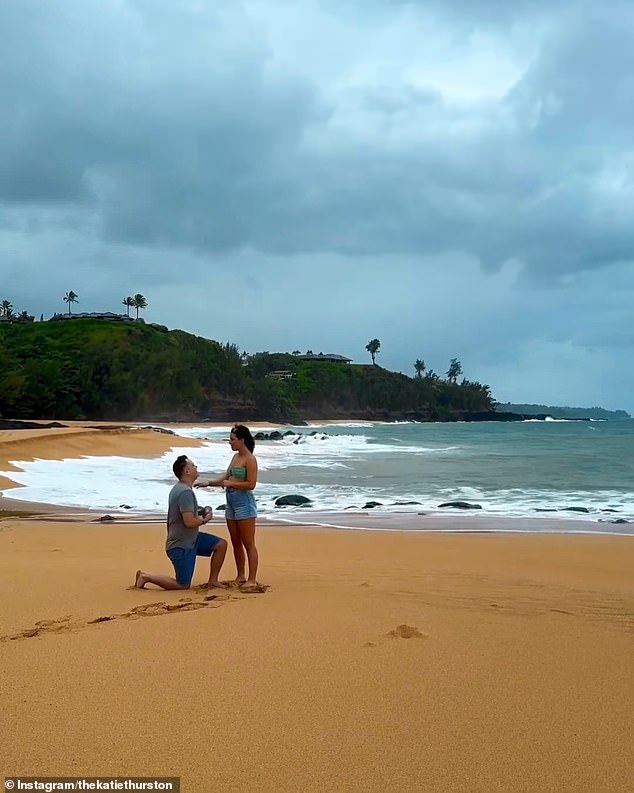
x: 70, y: 297
x: 373, y: 346
x: 454, y: 371
x: 420, y: 367
x: 138, y: 301
x: 6, y: 309
x: 128, y: 302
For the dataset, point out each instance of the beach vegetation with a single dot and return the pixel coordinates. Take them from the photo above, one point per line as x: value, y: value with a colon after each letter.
x: 70, y: 297
x: 373, y: 347
x: 139, y: 302
x: 454, y: 371
x: 98, y: 369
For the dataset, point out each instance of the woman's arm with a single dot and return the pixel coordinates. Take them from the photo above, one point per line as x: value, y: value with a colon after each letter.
x: 213, y: 482
x: 251, y: 480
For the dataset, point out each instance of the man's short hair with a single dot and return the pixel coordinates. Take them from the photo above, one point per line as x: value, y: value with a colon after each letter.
x: 179, y: 465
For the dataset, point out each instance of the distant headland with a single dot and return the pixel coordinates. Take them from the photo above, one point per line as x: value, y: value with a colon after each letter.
x: 561, y: 412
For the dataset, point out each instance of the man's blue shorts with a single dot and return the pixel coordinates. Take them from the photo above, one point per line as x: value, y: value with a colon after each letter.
x: 184, y: 559
x: 240, y: 504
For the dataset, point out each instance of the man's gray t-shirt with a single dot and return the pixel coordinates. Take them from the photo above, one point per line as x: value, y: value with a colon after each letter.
x: 181, y: 499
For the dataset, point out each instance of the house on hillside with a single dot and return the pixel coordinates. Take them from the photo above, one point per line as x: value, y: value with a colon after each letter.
x: 107, y: 315
x: 330, y: 357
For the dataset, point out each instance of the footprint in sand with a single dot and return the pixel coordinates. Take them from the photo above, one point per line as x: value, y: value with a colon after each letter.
x: 43, y: 626
x: 406, y: 632
x: 144, y: 610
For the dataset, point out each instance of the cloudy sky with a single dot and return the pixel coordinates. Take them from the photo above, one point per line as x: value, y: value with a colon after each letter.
x: 454, y: 177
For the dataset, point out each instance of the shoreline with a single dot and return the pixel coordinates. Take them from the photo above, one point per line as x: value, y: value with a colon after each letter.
x: 431, y: 522
x: 81, y: 439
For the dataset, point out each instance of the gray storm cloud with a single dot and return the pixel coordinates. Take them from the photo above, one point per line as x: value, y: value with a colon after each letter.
x: 144, y: 140
x: 195, y: 136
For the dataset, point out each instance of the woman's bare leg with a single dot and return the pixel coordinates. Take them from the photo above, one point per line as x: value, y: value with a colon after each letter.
x: 247, y: 535
x: 238, y: 550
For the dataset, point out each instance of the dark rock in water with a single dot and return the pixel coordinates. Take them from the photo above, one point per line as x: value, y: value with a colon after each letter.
x: 546, y: 509
x: 105, y: 519
x: 276, y: 435
x: 221, y: 508
x: 292, y: 500
x: 352, y: 506
x: 620, y: 520
x: 460, y: 505
x: 576, y: 509
x: 372, y: 504
x: 609, y: 509
x: 289, y: 432
x: 124, y: 506
x: 405, y: 503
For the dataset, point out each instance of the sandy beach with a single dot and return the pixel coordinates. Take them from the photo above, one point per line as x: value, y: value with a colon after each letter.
x: 375, y: 661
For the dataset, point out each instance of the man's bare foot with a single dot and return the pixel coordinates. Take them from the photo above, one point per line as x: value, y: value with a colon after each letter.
x: 139, y: 580
x: 239, y: 580
x: 215, y: 585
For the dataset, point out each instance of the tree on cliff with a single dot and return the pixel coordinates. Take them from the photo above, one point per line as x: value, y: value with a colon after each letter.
x: 420, y: 367
x: 128, y: 302
x: 373, y: 347
x: 454, y: 371
x: 70, y: 297
x: 7, y: 308
x: 138, y: 301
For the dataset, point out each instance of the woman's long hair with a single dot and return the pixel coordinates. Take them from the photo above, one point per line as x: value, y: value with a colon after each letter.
x: 244, y: 434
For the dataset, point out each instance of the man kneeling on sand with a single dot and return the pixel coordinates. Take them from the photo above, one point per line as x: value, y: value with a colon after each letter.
x: 184, y: 540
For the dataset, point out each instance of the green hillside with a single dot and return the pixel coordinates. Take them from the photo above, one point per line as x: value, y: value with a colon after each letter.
x: 98, y: 369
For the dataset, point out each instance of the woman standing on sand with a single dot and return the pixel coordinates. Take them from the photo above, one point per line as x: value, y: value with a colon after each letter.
x: 239, y: 480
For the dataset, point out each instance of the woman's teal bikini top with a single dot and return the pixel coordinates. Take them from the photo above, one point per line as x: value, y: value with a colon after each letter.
x: 239, y: 472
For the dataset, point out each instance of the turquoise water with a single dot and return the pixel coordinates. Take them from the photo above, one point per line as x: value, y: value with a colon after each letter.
x: 565, y: 470
x: 511, y: 469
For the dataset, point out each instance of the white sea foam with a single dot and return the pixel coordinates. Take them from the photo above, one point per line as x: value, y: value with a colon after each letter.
x: 339, y: 470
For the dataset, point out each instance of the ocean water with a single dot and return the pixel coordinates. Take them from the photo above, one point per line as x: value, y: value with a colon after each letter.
x: 552, y: 469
